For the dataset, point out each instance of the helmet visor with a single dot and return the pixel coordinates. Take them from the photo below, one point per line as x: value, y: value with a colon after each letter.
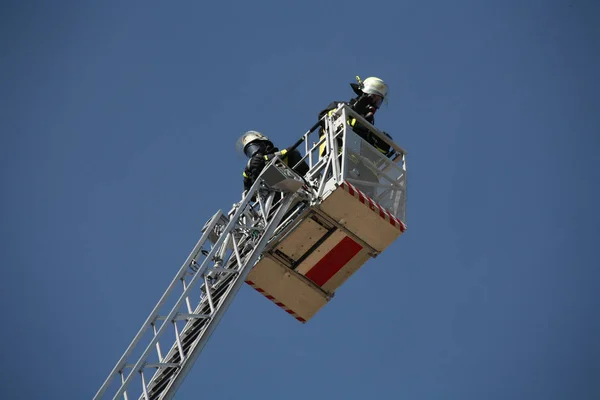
x: 376, y: 100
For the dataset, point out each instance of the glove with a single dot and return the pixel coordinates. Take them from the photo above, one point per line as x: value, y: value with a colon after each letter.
x: 253, y: 170
x: 255, y: 165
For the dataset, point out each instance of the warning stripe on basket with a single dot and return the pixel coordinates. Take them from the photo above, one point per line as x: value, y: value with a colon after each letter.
x: 366, y: 200
x: 274, y: 300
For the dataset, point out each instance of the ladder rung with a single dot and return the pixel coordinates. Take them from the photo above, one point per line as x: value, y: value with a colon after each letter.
x: 225, y: 270
x: 192, y: 316
x: 156, y: 365
x: 163, y: 365
x: 181, y: 316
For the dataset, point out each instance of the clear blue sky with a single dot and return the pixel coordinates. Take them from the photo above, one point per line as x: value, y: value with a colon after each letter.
x: 118, y: 124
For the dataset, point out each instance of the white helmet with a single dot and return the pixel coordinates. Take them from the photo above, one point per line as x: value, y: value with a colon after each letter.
x: 373, y: 85
x: 248, y: 138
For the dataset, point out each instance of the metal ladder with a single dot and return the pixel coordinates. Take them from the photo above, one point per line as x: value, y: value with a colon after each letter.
x: 215, y: 269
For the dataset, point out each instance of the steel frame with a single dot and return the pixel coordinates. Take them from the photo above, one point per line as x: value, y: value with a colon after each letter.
x: 219, y: 269
x: 216, y: 267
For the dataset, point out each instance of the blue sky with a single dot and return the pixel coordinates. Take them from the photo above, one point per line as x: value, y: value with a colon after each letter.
x: 119, y: 121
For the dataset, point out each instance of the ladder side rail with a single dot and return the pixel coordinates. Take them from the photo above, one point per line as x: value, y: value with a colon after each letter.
x: 228, y: 297
x: 230, y: 225
x: 305, y: 137
x: 329, y: 166
x: 332, y: 150
x: 194, y: 329
x: 190, y: 332
x: 152, y: 317
x: 310, y: 149
x: 329, y: 160
x: 404, y: 182
x: 344, y: 118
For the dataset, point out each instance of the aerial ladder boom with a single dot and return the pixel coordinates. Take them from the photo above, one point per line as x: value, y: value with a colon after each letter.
x: 295, y: 239
x: 237, y: 241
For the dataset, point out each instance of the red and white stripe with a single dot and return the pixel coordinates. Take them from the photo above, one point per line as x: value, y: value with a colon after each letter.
x: 274, y: 300
x: 376, y: 208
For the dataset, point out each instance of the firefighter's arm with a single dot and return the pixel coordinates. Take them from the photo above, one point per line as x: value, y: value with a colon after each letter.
x: 253, y: 170
x: 255, y: 165
x: 280, y: 154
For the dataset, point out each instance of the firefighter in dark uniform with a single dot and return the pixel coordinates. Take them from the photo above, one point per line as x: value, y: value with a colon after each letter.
x: 260, y: 150
x: 371, y: 93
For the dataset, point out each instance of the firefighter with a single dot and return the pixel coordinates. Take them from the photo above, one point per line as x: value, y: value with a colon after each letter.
x: 370, y: 94
x: 260, y: 150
